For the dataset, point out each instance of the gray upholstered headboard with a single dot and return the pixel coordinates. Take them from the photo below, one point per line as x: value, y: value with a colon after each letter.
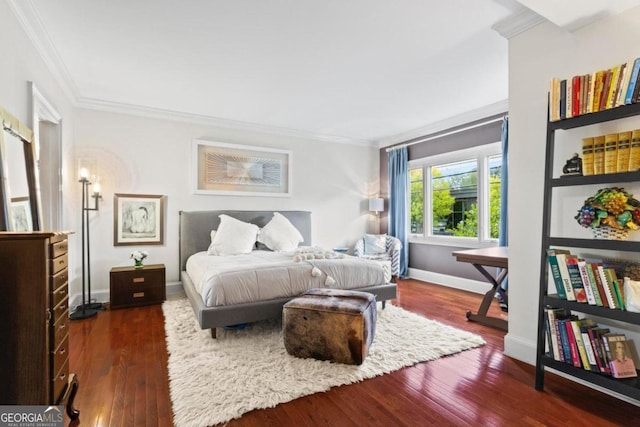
x: 195, y: 227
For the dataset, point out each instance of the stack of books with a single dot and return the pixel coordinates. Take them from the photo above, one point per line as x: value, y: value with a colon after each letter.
x: 583, y: 344
x: 593, y: 283
x: 611, y: 153
x: 597, y: 91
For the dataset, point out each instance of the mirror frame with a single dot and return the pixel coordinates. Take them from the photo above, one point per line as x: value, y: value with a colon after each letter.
x: 18, y: 129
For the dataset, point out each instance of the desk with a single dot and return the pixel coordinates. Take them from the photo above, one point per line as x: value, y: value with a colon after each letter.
x: 481, y: 258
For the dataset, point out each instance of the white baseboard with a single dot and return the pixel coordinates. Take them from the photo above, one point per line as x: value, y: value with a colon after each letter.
x: 455, y: 282
x: 103, y: 295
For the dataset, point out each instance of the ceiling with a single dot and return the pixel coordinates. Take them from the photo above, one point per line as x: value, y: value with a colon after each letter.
x: 360, y: 71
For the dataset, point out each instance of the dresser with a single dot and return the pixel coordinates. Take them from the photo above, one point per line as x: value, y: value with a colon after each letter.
x: 34, y: 313
x: 133, y: 286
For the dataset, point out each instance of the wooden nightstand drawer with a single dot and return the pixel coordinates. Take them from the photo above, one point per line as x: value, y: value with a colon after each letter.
x: 132, y: 286
x: 58, y: 264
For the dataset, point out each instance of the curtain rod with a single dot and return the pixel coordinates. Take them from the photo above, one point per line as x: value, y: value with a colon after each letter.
x: 453, y: 132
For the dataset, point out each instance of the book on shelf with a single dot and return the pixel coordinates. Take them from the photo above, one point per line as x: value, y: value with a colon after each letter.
x: 587, y: 156
x: 624, y: 146
x: 576, y: 280
x: 607, y: 286
x: 620, y: 362
x: 596, y: 341
x: 618, y: 292
x: 598, y: 155
x: 606, y: 84
x: 577, y: 336
x: 611, y: 93
x: 599, y: 283
x: 591, y: 88
x: 588, y: 345
x: 624, y: 83
x: 575, y: 96
x: 597, y: 91
x: 594, y: 284
x: 564, y: 273
x: 636, y: 90
x: 569, y: 346
x: 554, y: 99
x: 553, y: 335
x: 586, y: 281
x: 634, y: 152
x: 611, y: 153
x: 554, y: 269
x: 632, y: 81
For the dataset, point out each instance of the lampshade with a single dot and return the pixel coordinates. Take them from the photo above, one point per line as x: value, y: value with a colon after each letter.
x: 376, y: 204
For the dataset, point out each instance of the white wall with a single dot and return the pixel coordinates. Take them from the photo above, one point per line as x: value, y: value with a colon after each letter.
x: 149, y: 156
x: 536, y: 56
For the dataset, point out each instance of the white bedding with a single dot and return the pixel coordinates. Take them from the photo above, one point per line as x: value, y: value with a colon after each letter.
x: 266, y: 275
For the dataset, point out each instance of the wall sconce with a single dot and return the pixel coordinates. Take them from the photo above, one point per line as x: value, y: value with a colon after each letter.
x: 376, y: 205
x: 87, y: 308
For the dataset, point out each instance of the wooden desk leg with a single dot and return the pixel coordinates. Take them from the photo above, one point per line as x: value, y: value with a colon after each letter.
x: 482, y: 317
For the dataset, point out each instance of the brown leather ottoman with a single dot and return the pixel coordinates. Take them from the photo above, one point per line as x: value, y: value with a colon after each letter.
x: 330, y: 324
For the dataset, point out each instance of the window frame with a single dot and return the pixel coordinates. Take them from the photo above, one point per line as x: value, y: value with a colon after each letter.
x: 481, y: 154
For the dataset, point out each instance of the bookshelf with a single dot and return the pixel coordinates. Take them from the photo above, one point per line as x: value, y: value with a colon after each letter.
x: 629, y: 387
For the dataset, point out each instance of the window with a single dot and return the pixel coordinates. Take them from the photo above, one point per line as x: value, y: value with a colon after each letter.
x: 456, y: 195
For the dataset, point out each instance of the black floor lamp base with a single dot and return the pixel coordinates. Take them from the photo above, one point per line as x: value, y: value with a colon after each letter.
x: 93, y: 306
x: 80, y: 314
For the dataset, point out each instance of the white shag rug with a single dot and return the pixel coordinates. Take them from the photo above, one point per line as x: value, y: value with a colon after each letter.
x: 216, y: 380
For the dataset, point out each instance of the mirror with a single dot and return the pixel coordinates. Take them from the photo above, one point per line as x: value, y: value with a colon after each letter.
x: 19, y: 210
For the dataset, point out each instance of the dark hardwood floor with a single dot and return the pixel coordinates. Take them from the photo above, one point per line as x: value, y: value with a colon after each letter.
x: 120, y: 358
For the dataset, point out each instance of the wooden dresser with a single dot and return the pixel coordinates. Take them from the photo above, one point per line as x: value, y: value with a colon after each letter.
x: 34, y: 313
x: 131, y: 286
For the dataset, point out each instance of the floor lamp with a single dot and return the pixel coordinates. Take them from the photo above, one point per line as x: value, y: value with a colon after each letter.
x: 87, y: 308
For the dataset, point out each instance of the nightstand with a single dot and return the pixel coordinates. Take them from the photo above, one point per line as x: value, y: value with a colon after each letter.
x: 131, y: 286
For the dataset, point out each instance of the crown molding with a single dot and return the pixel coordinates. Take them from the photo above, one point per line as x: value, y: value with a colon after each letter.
x: 448, y: 123
x: 158, y: 113
x: 31, y: 23
x: 517, y: 23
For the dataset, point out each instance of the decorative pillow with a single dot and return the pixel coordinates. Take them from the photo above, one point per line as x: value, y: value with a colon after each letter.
x: 279, y: 234
x: 213, y: 235
x: 375, y: 244
x: 233, y: 237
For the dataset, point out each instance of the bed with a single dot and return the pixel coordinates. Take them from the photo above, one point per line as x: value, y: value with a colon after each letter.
x: 195, y: 237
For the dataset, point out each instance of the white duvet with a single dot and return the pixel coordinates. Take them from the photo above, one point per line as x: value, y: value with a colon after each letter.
x: 266, y: 275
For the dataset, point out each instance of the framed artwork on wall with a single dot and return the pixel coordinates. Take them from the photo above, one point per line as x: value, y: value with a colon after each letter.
x: 138, y: 219
x: 241, y: 170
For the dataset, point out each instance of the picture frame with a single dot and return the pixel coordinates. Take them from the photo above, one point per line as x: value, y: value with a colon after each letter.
x: 21, y: 214
x: 138, y: 219
x: 241, y: 170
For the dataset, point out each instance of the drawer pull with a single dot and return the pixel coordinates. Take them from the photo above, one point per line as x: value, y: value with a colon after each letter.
x: 138, y: 280
x: 138, y: 294
x: 63, y: 376
x: 63, y: 277
x: 63, y: 350
x: 63, y: 291
x: 63, y: 307
x: 64, y: 325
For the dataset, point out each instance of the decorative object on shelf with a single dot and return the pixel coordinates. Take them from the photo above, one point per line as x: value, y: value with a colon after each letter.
x: 87, y: 308
x: 138, y: 219
x: 631, y: 295
x: 610, y: 213
x: 573, y: 167
x: 138, y: 257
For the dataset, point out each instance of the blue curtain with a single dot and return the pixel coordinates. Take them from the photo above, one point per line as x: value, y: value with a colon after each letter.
x: 398, y: 216
x: 503, y: 238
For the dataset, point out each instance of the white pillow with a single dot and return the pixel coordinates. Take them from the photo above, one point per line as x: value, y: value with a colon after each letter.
x: 233, y: 237
x: 375, y: 244
x: 213, y: 234
x: 279, y: 234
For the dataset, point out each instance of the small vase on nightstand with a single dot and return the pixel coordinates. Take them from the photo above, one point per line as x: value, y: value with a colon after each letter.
x: 139, y: 264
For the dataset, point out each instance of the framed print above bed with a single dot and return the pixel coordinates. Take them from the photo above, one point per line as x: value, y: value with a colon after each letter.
x: 241, y: 170
x: 138, y: 219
